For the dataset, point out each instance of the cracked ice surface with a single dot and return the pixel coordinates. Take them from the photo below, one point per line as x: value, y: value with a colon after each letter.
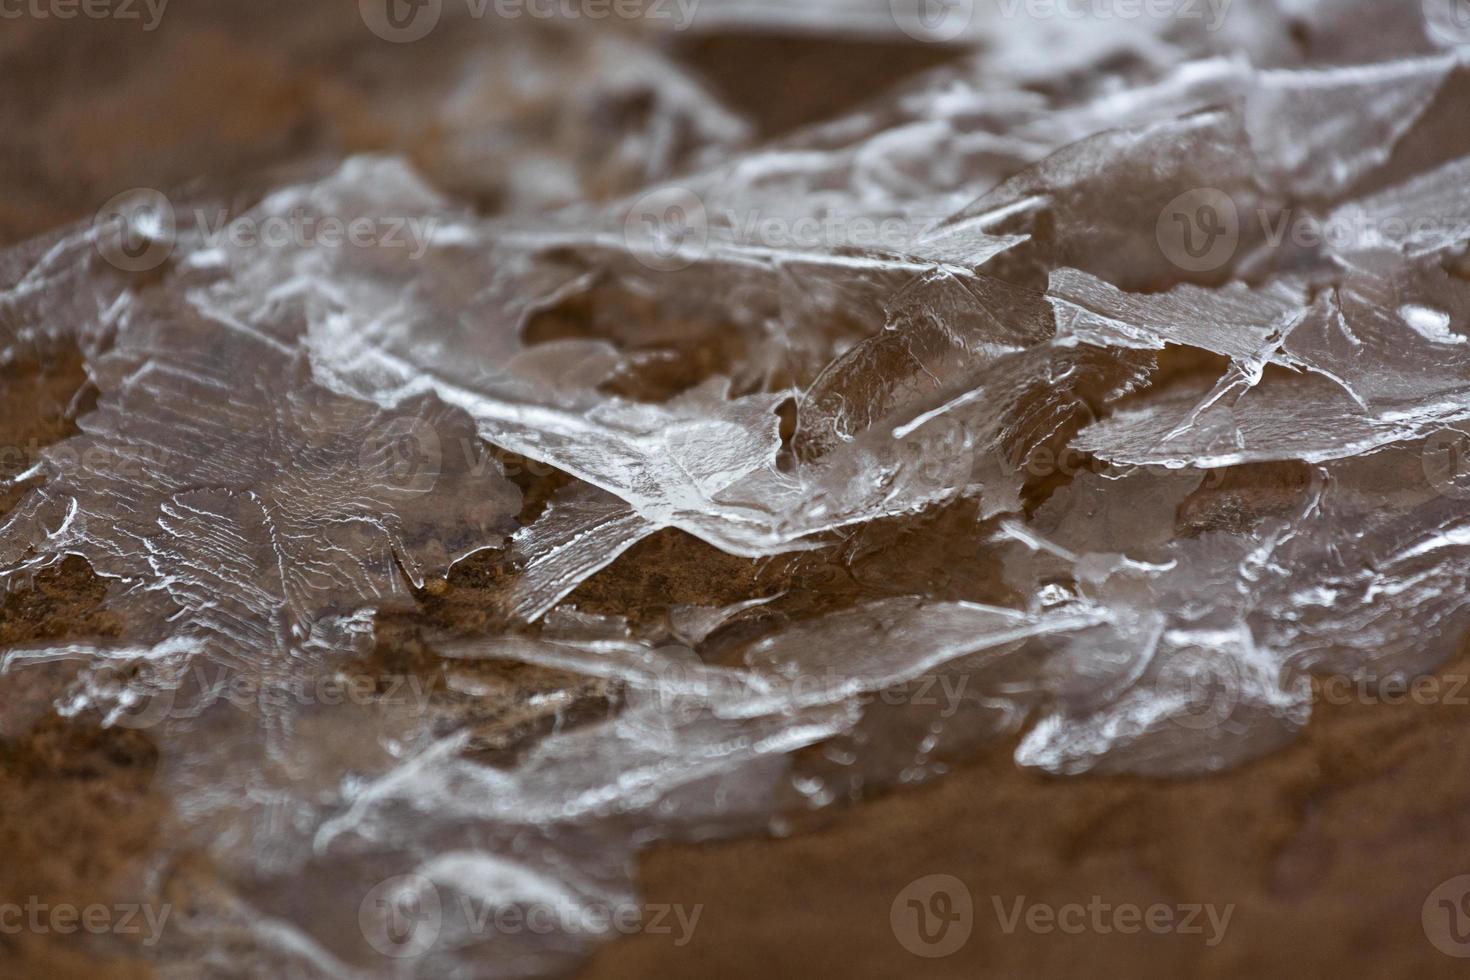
x: 1121, y: 396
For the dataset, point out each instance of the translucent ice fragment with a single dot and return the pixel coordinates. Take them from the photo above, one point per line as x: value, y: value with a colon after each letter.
x: 215, y: 472
x: 582, y: 531
x: 891, y: 641
x: 1383, y: 365
x: 1426, y: 214
x: 1318, y: 131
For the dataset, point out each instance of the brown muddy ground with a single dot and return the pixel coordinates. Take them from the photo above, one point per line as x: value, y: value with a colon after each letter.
x: 1327, y: 849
